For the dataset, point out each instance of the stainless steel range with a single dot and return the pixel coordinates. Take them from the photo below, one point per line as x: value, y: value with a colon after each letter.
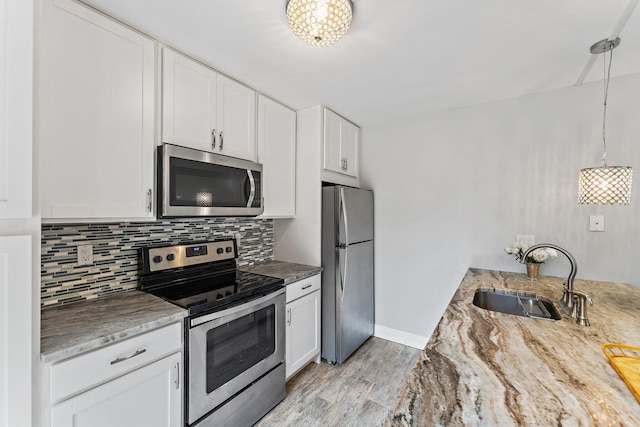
x: 234, y: 333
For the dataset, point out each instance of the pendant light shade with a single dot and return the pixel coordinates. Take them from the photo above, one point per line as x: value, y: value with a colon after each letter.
x: 606, y: 185
x: 319, y: 23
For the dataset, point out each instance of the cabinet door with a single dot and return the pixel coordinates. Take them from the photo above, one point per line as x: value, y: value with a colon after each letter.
x: 332, y: 136
x: 189, y: 102
x: 303, y: 331
x: 349, y: 141
x: 277, y: 153
x: 16, y: 87
x: 16, y: 326
x: 148, y: 397
x: 341, y: 139
x: 96, y: 115
x: 237, y: 119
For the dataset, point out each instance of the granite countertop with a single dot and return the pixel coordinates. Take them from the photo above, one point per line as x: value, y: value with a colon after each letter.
x: 76, y: 328
x: 283, y: 270
x: 486, y: 368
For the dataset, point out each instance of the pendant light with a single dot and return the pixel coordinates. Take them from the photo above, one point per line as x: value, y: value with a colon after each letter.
x: 606, y: 185
x: 319, y: 23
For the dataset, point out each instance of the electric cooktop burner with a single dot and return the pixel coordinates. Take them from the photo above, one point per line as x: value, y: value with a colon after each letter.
x: 201, y: 277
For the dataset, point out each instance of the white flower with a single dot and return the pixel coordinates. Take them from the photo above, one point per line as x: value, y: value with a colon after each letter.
x: 539, y: 255
x: 552, y: 252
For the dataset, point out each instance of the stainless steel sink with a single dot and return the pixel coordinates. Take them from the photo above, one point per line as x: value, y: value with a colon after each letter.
x: 526, y: 304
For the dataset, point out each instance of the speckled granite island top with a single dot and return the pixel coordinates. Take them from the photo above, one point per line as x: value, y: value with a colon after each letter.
x: 290, y: 272
x: 482, y: 368
x: 73, y: 329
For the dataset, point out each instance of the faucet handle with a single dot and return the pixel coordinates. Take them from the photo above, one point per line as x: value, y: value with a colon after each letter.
x: 580, y: 307
x: 583, y: 296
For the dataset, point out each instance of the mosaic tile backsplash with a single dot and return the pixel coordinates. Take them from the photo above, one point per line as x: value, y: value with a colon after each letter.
x: 116, y: 263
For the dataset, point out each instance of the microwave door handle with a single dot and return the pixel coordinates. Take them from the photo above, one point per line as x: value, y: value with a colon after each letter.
x: 252, y: 192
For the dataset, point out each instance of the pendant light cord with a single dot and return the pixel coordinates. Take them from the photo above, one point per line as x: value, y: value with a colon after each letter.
x: 604, y: 116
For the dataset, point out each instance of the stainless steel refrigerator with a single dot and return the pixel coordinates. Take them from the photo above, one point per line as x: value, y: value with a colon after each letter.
x: 347, y: 280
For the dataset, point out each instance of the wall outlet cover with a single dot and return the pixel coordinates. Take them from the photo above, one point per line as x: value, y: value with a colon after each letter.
x: 596, y: 222
x: 85, y: 254
x: 526, y: 239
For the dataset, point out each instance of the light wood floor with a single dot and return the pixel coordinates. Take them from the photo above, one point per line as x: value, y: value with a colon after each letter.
x: 359, y: 393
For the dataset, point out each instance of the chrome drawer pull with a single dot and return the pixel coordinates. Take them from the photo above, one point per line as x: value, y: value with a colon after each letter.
x: 306, y: 287
x: 122, y: 359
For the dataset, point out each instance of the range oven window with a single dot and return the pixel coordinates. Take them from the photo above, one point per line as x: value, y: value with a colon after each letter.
x: 199, y: 184
x: 236, y: 346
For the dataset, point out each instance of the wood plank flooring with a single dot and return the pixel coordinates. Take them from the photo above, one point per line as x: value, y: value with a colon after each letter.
x: 360, y: 393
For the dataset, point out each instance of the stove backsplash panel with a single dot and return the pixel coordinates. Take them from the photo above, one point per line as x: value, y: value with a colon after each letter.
x: 116, y: 265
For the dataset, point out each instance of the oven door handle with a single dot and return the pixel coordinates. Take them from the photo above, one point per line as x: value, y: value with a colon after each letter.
x: 230, y: 311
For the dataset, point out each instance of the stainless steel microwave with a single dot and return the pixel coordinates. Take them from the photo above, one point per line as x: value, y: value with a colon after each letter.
x: 196, y: 183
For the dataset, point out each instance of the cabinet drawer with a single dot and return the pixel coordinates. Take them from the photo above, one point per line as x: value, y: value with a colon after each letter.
x: 302, y: 287
x: 88, y: 370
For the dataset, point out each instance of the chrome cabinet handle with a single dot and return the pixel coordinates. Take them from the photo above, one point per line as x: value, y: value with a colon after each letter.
x: 176, y: 380
x: 123, y: 358
x: 213, y: 139
x: 221, y: 140
x: 149, y: 200
x: 306, y: 287
x: 289, y: 317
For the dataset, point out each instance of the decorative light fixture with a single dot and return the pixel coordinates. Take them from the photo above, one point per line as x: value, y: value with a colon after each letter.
x: 319, y: 23
x: 606, y: 185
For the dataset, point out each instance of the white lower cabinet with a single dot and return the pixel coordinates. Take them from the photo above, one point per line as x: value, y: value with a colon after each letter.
x: 136, y: 382
x: 147, y: 397
x: 303, y: 324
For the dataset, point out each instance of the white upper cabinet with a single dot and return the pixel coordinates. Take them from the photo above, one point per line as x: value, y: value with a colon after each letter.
x: 205, y: 110
x: 189, y: 102
x: 237, y: 116
x: 277, y: 153
x: 96, y: 116
x: 16, y: 77
x: 341, y: 145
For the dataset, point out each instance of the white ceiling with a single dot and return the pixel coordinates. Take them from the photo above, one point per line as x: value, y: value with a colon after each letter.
x: 401, y: 58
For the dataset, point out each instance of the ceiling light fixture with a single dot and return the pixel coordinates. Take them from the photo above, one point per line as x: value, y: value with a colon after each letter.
x: 319, y: 23
x: 606, y: 185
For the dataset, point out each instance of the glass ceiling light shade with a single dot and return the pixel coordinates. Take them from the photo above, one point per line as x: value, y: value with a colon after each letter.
x: 319, y: 23
x: 606, y: 185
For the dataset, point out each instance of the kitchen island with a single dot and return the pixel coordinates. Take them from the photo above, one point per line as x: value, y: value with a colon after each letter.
x: 483, y: 368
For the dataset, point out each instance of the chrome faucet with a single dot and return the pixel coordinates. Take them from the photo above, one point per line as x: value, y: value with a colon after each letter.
x: 567, y: 302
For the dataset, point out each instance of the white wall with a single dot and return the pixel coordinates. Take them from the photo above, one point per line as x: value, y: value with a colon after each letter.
x: 453, y: 189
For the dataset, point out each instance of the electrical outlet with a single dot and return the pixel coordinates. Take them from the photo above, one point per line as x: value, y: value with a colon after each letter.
x: 596, y: 222
x: 526, y: 239
x: 85, y: 254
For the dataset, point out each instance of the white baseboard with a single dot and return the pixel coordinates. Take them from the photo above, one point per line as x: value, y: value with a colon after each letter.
x: 401, y: 337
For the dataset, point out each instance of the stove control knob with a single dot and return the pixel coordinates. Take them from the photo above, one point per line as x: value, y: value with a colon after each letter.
x: 171, y: 257
x: 220, y: 251
x: 229, y: 249
x: 157, y: 259
x: 219, y: 296
x: 228, y: 293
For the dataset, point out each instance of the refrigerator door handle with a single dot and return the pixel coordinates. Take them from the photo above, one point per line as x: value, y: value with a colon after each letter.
x: 343, y: 272
x: 343, y: 209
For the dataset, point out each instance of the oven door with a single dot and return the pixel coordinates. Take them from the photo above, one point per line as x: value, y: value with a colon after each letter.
x: 232, y: 348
